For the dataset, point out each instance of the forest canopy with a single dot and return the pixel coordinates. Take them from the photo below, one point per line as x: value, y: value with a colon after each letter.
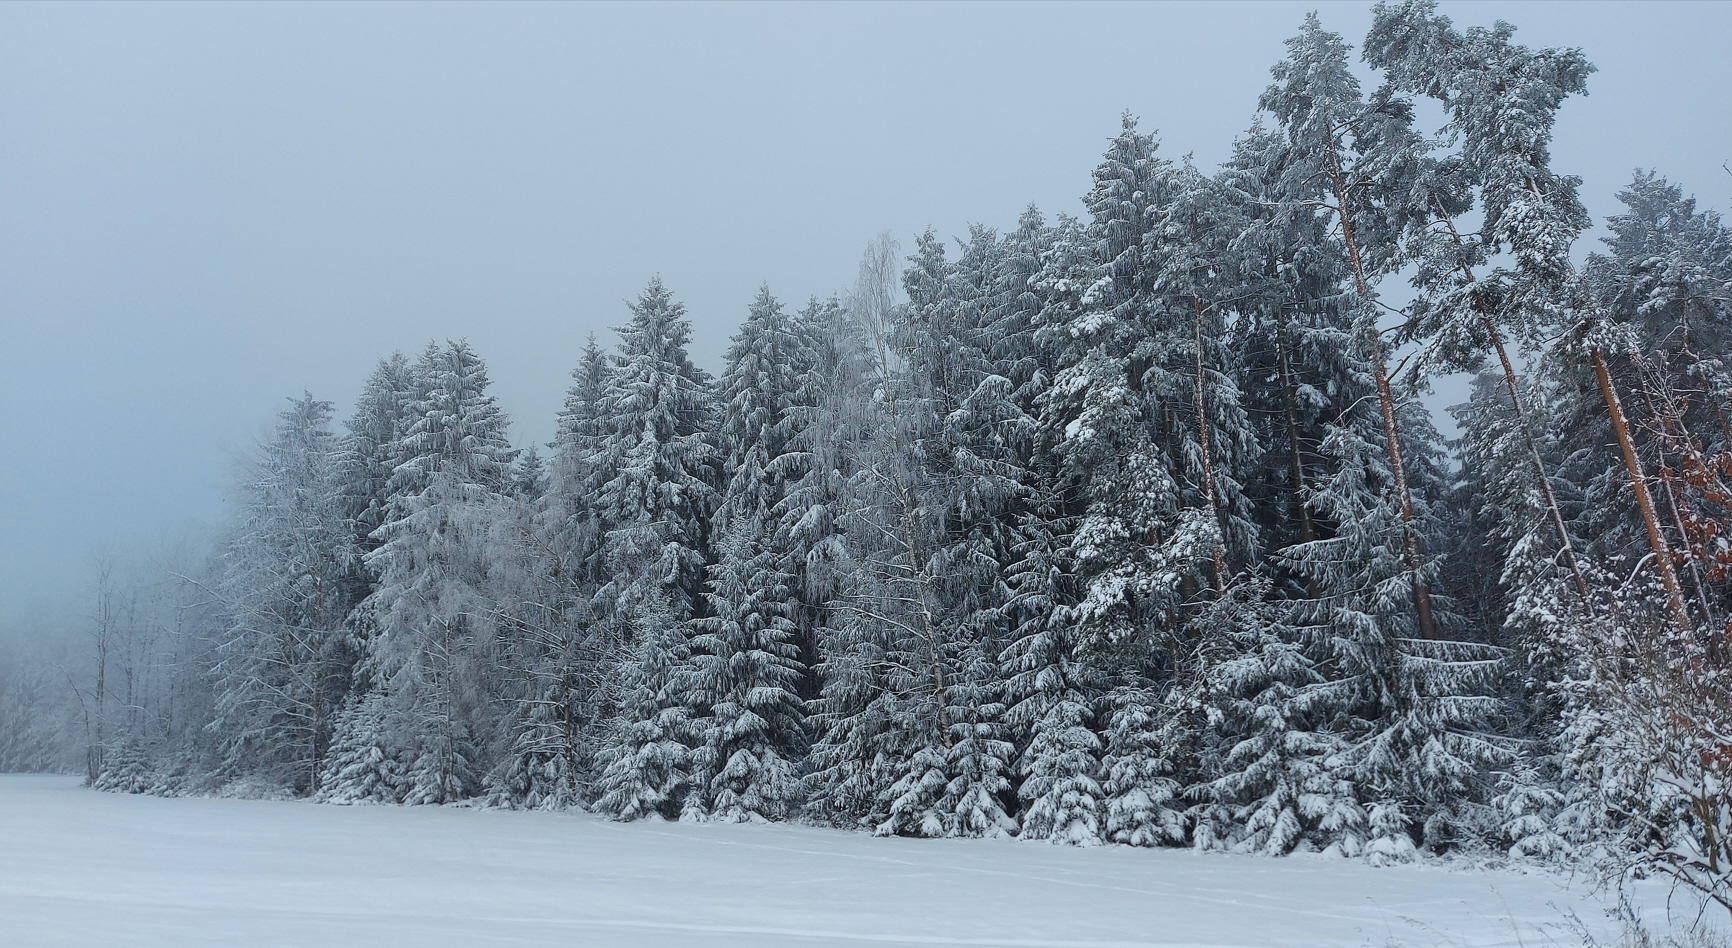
x: 1129, y: 527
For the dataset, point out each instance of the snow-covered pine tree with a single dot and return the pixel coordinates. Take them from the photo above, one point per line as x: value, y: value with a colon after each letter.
x: 283, y: 666
x: 1420, y: 751
x: 1648, y: 775
x: 1502, y: 100
x: 1357, y: 159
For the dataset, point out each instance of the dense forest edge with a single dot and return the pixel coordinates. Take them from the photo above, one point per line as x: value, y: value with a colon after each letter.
x: 1127, y: 528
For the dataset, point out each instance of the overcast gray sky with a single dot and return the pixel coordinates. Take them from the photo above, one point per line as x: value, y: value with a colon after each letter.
x: 207, y: 208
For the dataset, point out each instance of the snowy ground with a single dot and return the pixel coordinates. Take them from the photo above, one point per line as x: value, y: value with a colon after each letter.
x: 84, y: 868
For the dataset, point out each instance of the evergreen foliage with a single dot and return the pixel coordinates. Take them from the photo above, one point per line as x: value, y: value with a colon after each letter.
x: 1123, y: 528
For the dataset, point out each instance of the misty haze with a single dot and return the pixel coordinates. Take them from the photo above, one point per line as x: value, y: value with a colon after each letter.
x: 794, y: 474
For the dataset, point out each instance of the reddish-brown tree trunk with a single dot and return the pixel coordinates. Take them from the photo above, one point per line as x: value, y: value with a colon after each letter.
x: 1386, y: 403
x: 1644, y: 500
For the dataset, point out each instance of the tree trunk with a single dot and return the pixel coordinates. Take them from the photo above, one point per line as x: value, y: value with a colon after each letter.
x: 1545, y: 482
x: 1219, y: 564
x: 1386, y: 404
x: 1295, y: 455
x: 1509, y: 380
x: 1644, y: 500
x: 104, y: 630
x: 1702, y: 599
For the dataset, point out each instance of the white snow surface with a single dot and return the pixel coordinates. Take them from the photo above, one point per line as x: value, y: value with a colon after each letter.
x: 78, y: 867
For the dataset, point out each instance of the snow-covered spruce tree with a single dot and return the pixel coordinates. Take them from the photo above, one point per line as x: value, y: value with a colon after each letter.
x: 822, y: 424
x: 660, y: 493
x: 1670, y: 262
x: 958, y: 333
x: 646, y: 752
x: 284, y: 664
x: 1298, y: 367
x: 763, y: 388
x: 365, y: 761
x: 1270, y: 788
x: 429, y: 655
x: 1143, y: 413
x: 1015, y: 300
x: 1056, y: 693
x: 528, y: 476
x: 1052, y: 690
x: 366, y: 455
x: 1197, y: 272
x: 1530, y: 604
x: 1415, y: 714
x: 1099, y: 420
x: 744, y: 675
x: 581, y: 465
x: 656, y: 507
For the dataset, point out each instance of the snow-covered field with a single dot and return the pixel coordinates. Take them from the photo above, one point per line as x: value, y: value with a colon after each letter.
x: 84, y: 868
